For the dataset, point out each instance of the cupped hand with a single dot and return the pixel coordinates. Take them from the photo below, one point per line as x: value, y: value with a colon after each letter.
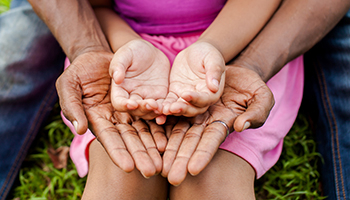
x: 84, y: 93
x: 245, y: 103
x: 140, y: 74
x: 197, y: 80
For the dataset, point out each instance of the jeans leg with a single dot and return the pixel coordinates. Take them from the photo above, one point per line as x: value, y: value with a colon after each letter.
x: 30, y: 62
x: 19, y: 3
x: 327, y: 78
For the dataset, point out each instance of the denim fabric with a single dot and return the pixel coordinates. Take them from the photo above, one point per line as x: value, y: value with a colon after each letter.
x: 327, y: 78
x: 30, y: 62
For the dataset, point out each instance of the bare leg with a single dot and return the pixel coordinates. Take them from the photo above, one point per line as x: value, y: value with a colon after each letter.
x: 226, y: 177
x: 107, y: 181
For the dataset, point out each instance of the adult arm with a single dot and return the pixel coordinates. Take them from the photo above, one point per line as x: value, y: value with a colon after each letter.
x: 73, y: 24
x: 84, y: 87
x: 135, y: 87
x: 197, y: 77
x: 75, y: 27
x: 294, y: 29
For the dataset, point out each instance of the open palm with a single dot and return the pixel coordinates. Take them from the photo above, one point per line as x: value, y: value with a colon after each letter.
x: 196, y: 80
x: 84, y: 92
x: 245, y: 103
x: 140, y: 79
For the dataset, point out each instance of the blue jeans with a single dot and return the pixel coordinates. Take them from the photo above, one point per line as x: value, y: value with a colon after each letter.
x: 30, y: 62
x: 327, y: 81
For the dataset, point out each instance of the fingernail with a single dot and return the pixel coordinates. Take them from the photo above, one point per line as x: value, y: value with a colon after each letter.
x: 146, y: 177
x: 246, y: 125
x: 215, y: 82
x: 75, y: 124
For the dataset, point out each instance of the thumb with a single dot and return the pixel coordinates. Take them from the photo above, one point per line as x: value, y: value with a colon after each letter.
x: 256, y: 114
x: 122, y: 59
x: 70, y: 98
x: 215, y: 72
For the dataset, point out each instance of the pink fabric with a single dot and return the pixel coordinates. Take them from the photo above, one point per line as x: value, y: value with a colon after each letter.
x: 170, y: 16
x: 260, y: 147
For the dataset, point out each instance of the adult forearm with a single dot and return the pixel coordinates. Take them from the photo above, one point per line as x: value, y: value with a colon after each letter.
x: 293, y: 30
x: 73, y: 24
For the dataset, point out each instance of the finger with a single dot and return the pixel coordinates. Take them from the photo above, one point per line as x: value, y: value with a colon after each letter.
x: 70, y: 98
x: 143, y: 161
x: 257, y: 112
x: 148, y: 142
x: 120, y: 99
x: 144, y: 114
x: 161, y: 119
x: 171, y: 98
x: 134, y: 99
x: 195, y: 98
x: 110, y: 138
x: 169, y: 124
x: 215, y: 71
x: 185, y: 109
x: 174, y: 142
x: 159, y: 136
x: 149, y: 104
x: 213, y: 135
x: 146, y: 109
x: 200, y: 99
x: 121, y: 61
x: 178, y: 170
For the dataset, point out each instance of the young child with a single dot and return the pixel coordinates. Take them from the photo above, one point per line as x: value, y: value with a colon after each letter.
x: 197, y: 38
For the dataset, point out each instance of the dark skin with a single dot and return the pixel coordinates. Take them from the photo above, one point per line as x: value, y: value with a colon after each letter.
x: 85, y: 45
x: 295, y: 28
x: 195, y: 144
x: 278, y: 43
x: 84, y: 87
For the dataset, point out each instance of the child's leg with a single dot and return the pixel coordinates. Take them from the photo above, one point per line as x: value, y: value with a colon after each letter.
x: 226, y: 177
x: 107, y: 181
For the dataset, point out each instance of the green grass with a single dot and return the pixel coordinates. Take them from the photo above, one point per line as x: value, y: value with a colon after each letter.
x: 38, y: 178
x: 295, y: 176
x: 4, y: 5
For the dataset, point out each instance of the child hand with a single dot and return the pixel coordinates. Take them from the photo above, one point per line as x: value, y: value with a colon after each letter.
x: 245, y: 103
x: 197, y: 80
x: 140, y: 79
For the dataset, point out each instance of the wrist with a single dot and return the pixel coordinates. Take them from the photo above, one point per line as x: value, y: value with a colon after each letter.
x: 74, y: 51
x: 260, y: 66
x: 212, y: 43
x: 265, y: 62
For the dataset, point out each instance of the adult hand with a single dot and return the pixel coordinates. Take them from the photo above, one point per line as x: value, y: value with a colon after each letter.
x: 245, y: 103
x: 197, y: 80
x: 140, y: 74
x: 84, y: 93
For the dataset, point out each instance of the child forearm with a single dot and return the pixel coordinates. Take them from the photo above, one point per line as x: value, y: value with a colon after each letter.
x: 237, y: 24
x: 117, y: 31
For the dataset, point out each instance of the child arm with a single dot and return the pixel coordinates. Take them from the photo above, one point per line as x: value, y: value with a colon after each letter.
x: 135, y: 87
x: 237, y: 24
x: 203, y: 63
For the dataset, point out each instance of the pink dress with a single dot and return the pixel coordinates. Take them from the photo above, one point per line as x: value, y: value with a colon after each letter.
x: 173, y: 25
